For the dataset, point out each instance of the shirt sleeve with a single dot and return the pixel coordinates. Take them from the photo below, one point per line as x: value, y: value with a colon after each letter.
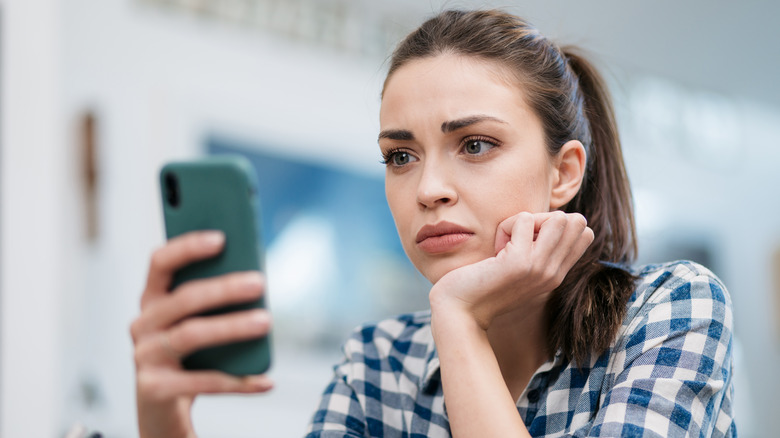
x: 339, y: 413
x: 674, y: 367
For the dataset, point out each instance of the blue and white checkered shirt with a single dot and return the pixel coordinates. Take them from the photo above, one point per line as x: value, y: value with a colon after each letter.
x: 667, y: 373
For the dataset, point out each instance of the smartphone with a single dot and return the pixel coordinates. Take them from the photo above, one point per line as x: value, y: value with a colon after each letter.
x: 218, y: 193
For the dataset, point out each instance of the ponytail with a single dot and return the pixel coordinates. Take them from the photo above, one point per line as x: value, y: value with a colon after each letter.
x: 588, y: 308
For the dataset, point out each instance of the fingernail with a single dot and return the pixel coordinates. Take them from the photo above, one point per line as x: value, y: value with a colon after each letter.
x: 260, y: 383
x: 260, y: 317
x: 213, y: 238
x: 253, y: 281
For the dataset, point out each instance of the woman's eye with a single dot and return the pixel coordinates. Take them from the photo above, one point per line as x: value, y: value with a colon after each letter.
x: 398, y: 158
x: 401, y: 158
x: 477, y: 147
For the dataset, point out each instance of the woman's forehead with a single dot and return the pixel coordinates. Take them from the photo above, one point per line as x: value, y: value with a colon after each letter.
x: 450, y: 87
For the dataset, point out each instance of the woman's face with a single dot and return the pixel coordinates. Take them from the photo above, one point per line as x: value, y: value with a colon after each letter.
x: 464, y: 152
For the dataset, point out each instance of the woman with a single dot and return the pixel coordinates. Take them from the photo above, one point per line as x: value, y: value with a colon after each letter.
x: 507, y: 185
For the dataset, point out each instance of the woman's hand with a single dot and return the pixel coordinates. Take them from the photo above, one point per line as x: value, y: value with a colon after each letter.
x: 533, y: 254
x: 169, y: 328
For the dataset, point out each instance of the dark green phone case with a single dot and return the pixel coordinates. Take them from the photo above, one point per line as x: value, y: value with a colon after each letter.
x: 218, y: 193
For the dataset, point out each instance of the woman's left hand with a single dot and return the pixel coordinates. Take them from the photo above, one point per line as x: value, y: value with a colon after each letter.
x: 534, y: 252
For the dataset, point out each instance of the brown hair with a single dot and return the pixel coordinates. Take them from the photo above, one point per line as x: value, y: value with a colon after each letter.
x: 570, y: 98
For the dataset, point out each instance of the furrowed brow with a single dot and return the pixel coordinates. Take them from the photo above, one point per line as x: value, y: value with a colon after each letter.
x: 454, y: 125
x: 396, y: 134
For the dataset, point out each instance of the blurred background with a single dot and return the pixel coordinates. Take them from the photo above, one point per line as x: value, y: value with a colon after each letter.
x: 96, y: 94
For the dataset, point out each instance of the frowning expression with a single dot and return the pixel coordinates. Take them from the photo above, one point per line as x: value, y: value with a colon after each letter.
x: 463, y: 152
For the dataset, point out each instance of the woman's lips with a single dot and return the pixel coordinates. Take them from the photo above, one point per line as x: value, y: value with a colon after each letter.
x: 442, y: 237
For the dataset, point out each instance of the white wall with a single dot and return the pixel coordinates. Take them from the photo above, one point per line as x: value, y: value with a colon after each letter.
x: 35, y: 222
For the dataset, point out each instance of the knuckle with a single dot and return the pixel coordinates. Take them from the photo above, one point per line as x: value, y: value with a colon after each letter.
x: 588, y: 236
x: 227, y: 385
x: 136, y: 329
x: 190, y: 333
x: 185, y: 332
x: 551, y: 272
x: 158, y: 258
x: 199, y: 295
x: 558, y: 219
x: 151, y: 386
x: 579, y: 220
x: 140, y: 355
x: 536, y: 269
x: 144, y: 381
x: 137, y: 358
x: 149, y: 298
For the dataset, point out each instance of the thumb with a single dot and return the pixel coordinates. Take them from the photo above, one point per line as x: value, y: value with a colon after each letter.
x: 503, y: 233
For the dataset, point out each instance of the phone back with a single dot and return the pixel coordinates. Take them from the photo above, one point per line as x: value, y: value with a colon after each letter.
x: 218, y: 194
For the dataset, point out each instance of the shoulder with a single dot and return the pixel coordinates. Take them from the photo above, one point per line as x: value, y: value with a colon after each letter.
x: 681, y: 282
x: 392, y: 332
x: 682, y: 303
x: 394, y: 327
x: 403, y: 342
x: 670, y: 369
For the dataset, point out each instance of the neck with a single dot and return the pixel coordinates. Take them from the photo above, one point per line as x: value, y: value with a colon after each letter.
x: 520, y: 344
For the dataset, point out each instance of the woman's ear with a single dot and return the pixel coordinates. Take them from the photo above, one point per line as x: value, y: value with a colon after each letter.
x: 568, y: 172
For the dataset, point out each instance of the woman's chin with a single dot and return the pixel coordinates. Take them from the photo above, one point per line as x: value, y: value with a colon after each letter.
x: 434, y: 270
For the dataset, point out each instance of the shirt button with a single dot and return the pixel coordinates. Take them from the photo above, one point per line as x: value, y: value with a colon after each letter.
x: 533, y: 395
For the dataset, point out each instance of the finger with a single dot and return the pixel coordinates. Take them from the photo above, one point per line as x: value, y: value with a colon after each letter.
x: 572, y: 243
x: 177, y: 253
x: 196, y: 333
x: 166, y: 384
x: 518, y: 229
x: 200, y: 332
x: 541, y: 218
x: 578, y: 248
x: 574, y: 240
x: 551, y: 227
x: 198, y: 296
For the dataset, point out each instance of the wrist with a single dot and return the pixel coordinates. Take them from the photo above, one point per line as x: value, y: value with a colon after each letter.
x: 449, y: 310
x: 165, y: 419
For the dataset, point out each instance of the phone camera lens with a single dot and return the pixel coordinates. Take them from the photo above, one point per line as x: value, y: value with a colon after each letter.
x: 172, y: 190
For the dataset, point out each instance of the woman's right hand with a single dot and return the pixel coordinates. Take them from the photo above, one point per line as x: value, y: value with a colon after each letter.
x: 534, y: 252
x: 169, y: 327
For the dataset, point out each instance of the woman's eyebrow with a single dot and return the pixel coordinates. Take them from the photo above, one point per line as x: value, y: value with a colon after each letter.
x: 396, y: 134
x: 446, y: 127
x: 454, y: 125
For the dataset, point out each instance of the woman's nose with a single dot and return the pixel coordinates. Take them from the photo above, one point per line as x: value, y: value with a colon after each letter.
x: 436, y: 187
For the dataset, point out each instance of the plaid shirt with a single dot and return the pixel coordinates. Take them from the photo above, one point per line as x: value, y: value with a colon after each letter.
x: 667, y: 373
